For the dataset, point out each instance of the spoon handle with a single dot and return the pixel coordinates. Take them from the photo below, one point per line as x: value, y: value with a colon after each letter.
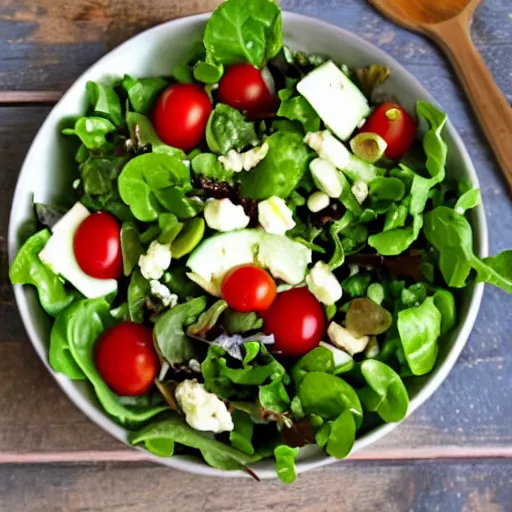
x: 491, y: 108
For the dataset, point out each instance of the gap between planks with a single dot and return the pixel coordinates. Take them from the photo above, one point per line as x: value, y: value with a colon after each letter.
x: 441, y: 453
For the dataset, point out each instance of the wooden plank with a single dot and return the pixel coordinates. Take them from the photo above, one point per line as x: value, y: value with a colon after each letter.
x: 45, y: 45
x: 347, y: 487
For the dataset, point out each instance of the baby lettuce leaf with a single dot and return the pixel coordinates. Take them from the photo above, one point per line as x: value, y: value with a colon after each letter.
x: 105, y: 102
x: 171, y: 341
x: 241, y: 435
x: 299, y: 109
x: 328, y: 396
x: 27, y: 268
x: 238, y: 323
x: 208, y: 165
x: 342, y: 434
x: 279, y: 173
x: 143, y: 92
x: 60, y: 357
x: 207, y: 320
x: 240, y: 31
x: 467, y: 200
x: 496, y: 270
x: 142, y: 131
x: 208, y: 71
x: 92, y: 131
x: 385, y: 392
x: 445, y: 303
x: 273, y: 397
x: 227, y: 129
x: 396, y: 241
x: 419, y: 329
x: 148, y: 183
x: 131, y: 246
x: 86, y: 320
x: 138, y: 290
x: 320, y: 359
x: 215, y: 453
x: 178, y: 282
x: 285, y: 463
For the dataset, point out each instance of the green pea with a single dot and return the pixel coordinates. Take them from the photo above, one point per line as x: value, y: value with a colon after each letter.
x: 189, y: 237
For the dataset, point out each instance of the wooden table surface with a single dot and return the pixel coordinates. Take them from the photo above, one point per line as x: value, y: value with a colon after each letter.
x: 453, y: 454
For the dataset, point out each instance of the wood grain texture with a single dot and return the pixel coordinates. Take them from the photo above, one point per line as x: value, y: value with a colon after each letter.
x: 471, y: 410
x: 347, y: 487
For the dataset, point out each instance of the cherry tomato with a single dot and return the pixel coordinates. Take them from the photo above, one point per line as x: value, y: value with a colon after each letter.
x: 248, y: 288
x: 297, y: 321
x: 97, y: 246
x: 395, y: 126
x: 243, y: 87
x: 180, y: 115
x: 126, y: 359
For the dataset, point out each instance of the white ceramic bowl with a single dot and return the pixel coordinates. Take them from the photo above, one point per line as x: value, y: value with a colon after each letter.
x: 49, y: 170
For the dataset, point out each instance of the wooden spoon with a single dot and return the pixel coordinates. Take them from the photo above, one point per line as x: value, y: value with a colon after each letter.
x: 447, y: 23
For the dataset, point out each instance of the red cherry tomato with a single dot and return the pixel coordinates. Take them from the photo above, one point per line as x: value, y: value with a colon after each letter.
x: 242, y: 87
x: 126, y: 359
x: 297, y: 321
x: 97, y: 246
x: 248, y: 288
x: 395, y: 126
x: 180, y: 115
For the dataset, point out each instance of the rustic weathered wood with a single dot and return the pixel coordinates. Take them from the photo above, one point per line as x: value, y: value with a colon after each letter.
x: 347, y: 487
x: 447, y: 23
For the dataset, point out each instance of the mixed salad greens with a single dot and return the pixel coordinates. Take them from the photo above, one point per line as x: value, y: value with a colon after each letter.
x: 262, y: 253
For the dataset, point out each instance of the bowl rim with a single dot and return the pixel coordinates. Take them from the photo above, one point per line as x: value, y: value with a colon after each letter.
x: 98, y: 416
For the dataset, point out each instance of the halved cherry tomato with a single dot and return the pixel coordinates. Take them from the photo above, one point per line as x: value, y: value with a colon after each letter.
x: 180, y: 115
x: 97, y: 246
x: 126, y: 358
x: 297, y: 321
x: 395, y: 126
x: 248, y: 288
x: 243, y: 87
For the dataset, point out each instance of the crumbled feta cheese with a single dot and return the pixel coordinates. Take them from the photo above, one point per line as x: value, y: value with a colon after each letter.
x: 246, y: 161
x: 346, y: 340
x: 195, y: 365
x: 155, y: 261
x: 328, y: 147
x: 360, y: 191
x: 322, y: 283
x: 274, y: 216
x: 162, y: 292
x: 317, y: 201
x: 326, y: 177
x: 203, y: 410
x: 223, y: 215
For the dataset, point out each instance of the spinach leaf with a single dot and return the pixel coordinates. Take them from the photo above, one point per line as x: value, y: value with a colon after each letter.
x: 273, y: 397
x: 419, y: 329
x: 207, y: 320
x: 138, y: 290
x: 241, y: 435
x: 148, y: 182
x: 238, y: 323
x: 342, y: 434
x: 92, y: 131
x: 143, y: 92
x: 433, y: 144
x: 496, y: 270
x: 239, y: 31
x: 338, y: 255
x: 356, y: 285
x: 299, y: 109
x: 208, y: 71
x: 385, y: 392
x: 285, y: 463
x: 328, y: 396
x: 320, y: 359
x: 178, y: 282
x: 208, y: 165
x: 444, y: 301
x: 170, y: 339
x: 27, y: 268
x: 142, y: 131
x: 396, y: 241
x: 105, y: 102
x: 85, y: 322
x: 396, y: 217
x: 467, y: 200
x: 386, y: 189
x: 227, y: 129
x: 60, y: 357
x: 279, y: 173
x: 169, y: 227
x: 131, y: 246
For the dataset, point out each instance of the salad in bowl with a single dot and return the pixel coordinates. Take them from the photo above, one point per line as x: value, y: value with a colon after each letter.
x: 264, y: 251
